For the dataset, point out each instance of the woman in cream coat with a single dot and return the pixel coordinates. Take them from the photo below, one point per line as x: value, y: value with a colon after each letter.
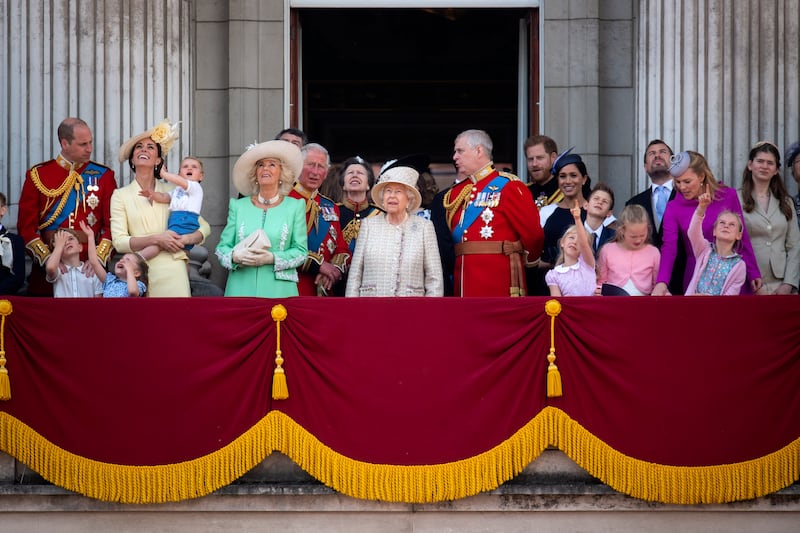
x: 771, y: 221
x: 396, y: 253
x: 138, y: 222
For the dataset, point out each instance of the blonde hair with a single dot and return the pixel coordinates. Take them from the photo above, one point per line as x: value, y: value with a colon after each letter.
x: 285, y: 182
x: 570, y: 229
x: 737, y: 246
x: 700, y: 166
x: 632, y: 214
x: 193, y: 158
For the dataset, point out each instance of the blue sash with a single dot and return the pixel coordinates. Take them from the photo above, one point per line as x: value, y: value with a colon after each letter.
x: 91, y: 173
x: 488, y: 197
x: 316, y: 236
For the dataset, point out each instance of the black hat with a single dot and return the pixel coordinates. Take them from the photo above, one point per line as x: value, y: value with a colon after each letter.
x: 419, y: 162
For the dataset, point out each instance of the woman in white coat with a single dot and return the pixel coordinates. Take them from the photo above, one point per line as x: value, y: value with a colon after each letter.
x: 396, y: 253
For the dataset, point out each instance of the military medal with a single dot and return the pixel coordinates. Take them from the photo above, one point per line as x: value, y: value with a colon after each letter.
x: 92, y: 199
x: 487, y: 232
x: 488, y: 199
x: 91, y: 219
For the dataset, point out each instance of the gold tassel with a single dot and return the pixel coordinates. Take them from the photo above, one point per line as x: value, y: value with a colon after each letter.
x: 5, y: 381
x: 554, y: 390
x: 280, y: 389
x: 553, y: 377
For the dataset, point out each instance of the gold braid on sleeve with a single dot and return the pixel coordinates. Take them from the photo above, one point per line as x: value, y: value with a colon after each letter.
x: 104, y: 251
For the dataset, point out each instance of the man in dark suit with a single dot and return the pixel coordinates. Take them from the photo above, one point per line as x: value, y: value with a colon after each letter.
x: 654, y: 199
x: 445, y: 240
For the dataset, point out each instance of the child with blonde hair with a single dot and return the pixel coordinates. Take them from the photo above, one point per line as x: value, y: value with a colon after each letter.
x: 630, y: 262
x: 185, y: 202
x: 574, y: 273
x: 719, y: 268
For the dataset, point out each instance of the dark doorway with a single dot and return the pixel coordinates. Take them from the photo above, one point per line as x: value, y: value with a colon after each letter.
x: 382, y: 83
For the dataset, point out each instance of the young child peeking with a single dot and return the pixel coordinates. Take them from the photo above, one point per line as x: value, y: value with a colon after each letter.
x: 129, y: 278
x: 185, y: 201
x: 719, y: 269
x: 630, y: 262
x: 574, y: 273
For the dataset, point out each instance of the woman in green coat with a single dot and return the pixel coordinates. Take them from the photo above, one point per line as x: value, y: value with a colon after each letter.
x: 265, y: 238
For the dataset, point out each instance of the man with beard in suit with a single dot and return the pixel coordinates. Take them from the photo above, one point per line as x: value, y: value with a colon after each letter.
x: 655, y: 198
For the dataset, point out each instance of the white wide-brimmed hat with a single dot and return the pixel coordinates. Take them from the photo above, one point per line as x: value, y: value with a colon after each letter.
x: 287, y: 153
x: 406, y: 176
x: 164, y: 134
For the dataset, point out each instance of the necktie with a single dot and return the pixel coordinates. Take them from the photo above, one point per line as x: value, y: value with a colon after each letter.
x: 594, y: 243
x: 661, y: 203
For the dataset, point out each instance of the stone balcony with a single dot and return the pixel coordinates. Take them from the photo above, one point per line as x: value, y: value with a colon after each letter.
x: 551, y: 494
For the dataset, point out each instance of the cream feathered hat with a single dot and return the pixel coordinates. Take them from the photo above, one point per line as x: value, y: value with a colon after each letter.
x: 288, y: 154
x: 164, y: 134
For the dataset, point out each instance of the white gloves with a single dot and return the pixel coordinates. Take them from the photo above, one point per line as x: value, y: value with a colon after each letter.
x: 253, y: 257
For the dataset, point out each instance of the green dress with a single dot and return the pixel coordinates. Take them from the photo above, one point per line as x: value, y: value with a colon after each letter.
x: 285, y: 225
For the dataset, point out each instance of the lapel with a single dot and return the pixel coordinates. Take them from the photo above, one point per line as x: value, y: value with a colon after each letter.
x: 605, y: 235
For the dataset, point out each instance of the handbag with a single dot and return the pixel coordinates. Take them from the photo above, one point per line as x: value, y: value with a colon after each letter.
x: 257, y: 240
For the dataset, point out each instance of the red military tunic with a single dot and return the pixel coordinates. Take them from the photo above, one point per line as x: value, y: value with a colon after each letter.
x: 325, y: 241
x: 54, y: 196
x: 508, y: 214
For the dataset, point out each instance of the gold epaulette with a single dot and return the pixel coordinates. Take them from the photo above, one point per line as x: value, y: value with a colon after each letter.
x: 326, y: 197
x: 509, y: 175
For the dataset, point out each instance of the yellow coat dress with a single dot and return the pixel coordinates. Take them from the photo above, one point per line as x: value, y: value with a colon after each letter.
x: 134, y: 216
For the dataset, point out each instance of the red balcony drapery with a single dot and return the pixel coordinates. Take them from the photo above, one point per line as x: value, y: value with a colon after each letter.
x: 670, y: 399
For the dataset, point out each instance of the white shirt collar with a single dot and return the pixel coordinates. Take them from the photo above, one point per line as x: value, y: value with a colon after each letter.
x: 562, y: 268
x: 589, y: 229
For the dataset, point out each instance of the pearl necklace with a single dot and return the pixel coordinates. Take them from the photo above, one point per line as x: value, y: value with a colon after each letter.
x: 269, y: 201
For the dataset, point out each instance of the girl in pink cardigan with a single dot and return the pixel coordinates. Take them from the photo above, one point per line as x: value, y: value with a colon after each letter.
x: 574, y: 273
x: 630, y: 262
x: 719, y: 269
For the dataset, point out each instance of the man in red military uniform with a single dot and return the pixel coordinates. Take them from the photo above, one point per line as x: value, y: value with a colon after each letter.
x: 493, y: 220
x: 328, y: 253
x: 61, y: 193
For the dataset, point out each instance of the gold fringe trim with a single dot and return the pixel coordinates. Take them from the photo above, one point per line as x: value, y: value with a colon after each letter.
x: 410, y: 484
x: 136, y: 484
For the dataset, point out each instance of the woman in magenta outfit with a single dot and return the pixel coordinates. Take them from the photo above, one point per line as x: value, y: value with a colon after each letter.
x: 691, y: 174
